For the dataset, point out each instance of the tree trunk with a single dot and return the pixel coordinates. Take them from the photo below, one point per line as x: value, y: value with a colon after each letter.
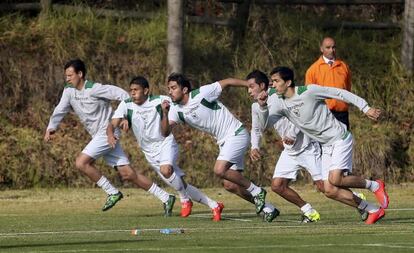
x: 407, y: 50
x: 175, y: 36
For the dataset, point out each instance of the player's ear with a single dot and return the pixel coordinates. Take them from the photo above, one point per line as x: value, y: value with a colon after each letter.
x: 185, y: 90
x: 146, y: 91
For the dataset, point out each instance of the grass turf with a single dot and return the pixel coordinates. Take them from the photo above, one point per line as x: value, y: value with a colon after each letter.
x: 70, y: 220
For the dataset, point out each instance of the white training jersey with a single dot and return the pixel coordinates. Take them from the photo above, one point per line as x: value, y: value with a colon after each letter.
x: 91, y: 104
x: 283, y: 127
x: 145, y: 121
x: 307, y: 110
x: 205, y: 112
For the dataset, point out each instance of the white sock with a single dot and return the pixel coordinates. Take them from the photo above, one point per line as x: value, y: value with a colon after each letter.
x: 200, y: 197
x: 177, y: 183
x: 268, y: 208
x: 254, y: 189
x: 104, y: 183
x: 366, y: 206
x: 371, y: 185
x: 307, y: 209
x: 159, y: 193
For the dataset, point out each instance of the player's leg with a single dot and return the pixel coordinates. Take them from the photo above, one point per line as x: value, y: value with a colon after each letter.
x: 342, y: 159
x: 232, y: 155
x: 96, y: 148
x: 117, y: 158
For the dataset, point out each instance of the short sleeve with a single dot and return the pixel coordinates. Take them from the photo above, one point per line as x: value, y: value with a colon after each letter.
x: 173, y: 114
x: 121, y: 111
x: 211, y: 92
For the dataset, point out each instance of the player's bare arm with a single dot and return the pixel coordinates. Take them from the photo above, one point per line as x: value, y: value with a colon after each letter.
x: 110, y: 132
x: 233, y: 82
x: 165, y: 124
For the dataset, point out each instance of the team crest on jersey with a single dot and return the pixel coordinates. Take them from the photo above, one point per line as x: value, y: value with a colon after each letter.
x: 296, y: 112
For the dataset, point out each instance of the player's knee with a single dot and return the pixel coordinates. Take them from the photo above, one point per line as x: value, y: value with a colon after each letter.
x: 331, y: 192
x: 80, y: 164
x: 219, y: 172
x: 278, y: 187
x: 166, y: 171
x: 126, y: 173
x: 320, y: 186
x: 337, y: 181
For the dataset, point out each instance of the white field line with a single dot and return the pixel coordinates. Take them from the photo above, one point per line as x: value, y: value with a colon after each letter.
x: 144, y: 230
x: 194, y: 248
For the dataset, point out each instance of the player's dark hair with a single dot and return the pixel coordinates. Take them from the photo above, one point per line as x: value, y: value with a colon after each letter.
x: 285, y: 73
x: 181, y: 80
x: 259, y: 77
x: 141, y: 81
x: 78, y: 65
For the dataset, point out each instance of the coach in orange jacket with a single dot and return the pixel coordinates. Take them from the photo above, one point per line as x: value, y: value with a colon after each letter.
x: 331, y: 72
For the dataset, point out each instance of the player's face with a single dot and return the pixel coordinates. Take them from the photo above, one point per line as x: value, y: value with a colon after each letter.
x: 138, y: 94
x: 72, y: 77
x: 279, y: 84
x: 328, y: 48
x: 175, y: 91
x: 254, y: 88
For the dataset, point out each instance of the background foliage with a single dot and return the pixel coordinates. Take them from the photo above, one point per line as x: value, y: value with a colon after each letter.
x: 33, y: 50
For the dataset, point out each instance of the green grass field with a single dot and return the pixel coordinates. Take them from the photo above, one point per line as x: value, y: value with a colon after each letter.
x: 70, y: 220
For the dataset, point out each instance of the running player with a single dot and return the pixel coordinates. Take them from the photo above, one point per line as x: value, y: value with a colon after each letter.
x: 201, y: 109
x: 304, y: 152
x: 145, y: 116
x: 304, y: 106
x: 91, y: 102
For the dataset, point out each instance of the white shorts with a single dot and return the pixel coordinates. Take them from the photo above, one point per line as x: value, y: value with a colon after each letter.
x: 234, y: 148
x: 99, y: 146
x: 311, y: 159
x: 337, y: 156
x: 166, y: 155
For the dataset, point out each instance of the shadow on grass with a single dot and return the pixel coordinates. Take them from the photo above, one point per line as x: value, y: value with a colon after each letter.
x: 51, y: 244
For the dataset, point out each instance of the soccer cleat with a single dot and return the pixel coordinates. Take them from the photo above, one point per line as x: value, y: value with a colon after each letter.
x: 217, y: 211
x: 314, y: 216
x: 376, y: 216
x: 382, y: 195
x: 269, y: 217
x: 111, y: 200
x: 259, y: 200
x: 168, y: 206
x: 186, y: 208
x: 364, y: 214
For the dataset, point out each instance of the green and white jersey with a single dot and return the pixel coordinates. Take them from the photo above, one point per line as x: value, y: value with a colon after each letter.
x: 283, y: 127
x: 205, y: 112
x: 307, y: 110
x: 91, y: 104
x: 145, y: 121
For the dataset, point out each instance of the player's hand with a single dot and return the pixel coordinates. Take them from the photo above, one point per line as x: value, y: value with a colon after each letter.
x: 112, y: 140
x: 288, y: 141
x: 373, y: 113
x: 165, y: 106
x: 48, y: 135
x: 124, y: 125
x: 262, y: 99
x: 255, y: 154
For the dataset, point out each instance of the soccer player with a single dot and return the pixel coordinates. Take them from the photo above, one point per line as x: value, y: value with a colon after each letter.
x: 145, y: 116
x: 299, y: 152
x: 303, y: 152
x: 201, y: 109
x: 91, y: 102
x: 304, y: 106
